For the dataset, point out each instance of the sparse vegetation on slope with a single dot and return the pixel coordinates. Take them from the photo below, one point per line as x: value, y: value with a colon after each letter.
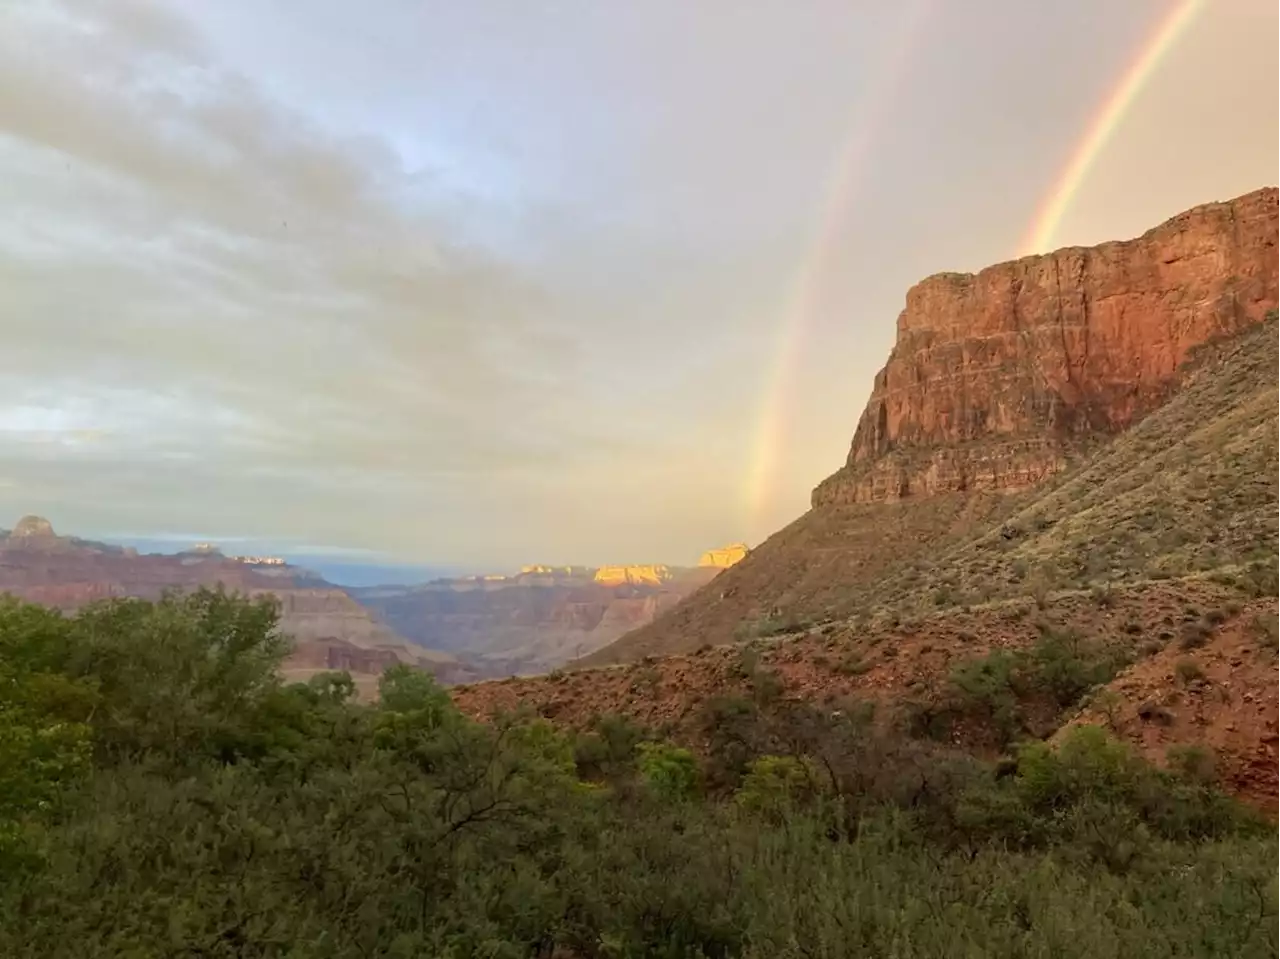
x: 1192, y: 488
x: 1161, y: 546
x: 1001, y: 379
x: 793, y: 579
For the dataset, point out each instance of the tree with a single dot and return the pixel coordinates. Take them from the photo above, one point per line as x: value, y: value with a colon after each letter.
x: 670, y: 771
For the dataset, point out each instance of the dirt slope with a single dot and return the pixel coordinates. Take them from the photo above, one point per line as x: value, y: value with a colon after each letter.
x: 807, y: 569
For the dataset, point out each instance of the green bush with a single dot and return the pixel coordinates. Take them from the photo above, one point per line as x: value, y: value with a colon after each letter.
x: 775, y: 786
x: 986, y: 686
x: 670, y: 771
x: 1059, y: 668
x: 256, y: 819
x: 607, y: 750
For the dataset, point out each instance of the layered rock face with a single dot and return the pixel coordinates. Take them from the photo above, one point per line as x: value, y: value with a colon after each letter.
x: 535, y: 621
x: 997, y: 378
x: 330, y: 629
x: 32, y: 530
x: 649, y: 575
x: 725, y: 556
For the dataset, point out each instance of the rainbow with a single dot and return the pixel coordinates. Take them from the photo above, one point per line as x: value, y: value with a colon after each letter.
x: 1104, y: 124
x: 841, y: 192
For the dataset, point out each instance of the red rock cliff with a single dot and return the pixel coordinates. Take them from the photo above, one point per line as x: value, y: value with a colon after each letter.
x: 996, y: 377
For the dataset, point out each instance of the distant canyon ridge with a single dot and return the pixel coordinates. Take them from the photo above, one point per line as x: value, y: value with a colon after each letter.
x: 543, y: 616
x: 460, y: 629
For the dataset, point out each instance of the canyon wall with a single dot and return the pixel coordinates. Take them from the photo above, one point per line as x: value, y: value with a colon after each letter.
x: 648, y: 575
x: 725, y: 556
x: 535, y: 621
x: 997, y: 381
x: 330, y: 630
x: 998, y: 378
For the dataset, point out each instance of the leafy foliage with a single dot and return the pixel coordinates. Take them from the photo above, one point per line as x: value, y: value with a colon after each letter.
x: 162, y: 793
x: 671, y: 772
x: 1056, y: 672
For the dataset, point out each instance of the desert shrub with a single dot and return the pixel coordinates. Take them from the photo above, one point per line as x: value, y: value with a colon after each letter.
x: 608, y: 748
x: 1059, y: 668
x: 1196, y: 634
x: 1259, y: 580
x: 771, y: 626
x: 766, y: 686
x: 745, y: 663
x: 986, y: 686
x: 730, y: 728
x: 1187, y: 670
x: 1195, y: 764
x: 775, y: 786
x: 1066, y: 666
x: 1040, y: 586
x: 670, y: 771
x: 647, y: 680
x: 925, y: 719
x: 300, y: 822
x: 1266, y: 631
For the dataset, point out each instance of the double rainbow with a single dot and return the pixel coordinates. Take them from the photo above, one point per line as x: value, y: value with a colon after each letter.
x: 843, y: 191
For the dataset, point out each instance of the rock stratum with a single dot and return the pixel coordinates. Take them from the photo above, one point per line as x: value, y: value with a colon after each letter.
x: 998, y: 378
x: 535, y: 621
x: 725, y: 556
x: 648, y: 575
x: 330, y: 630
x: 998, y: 382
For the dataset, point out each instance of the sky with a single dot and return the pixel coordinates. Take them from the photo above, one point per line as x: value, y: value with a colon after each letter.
x: 515, y: 281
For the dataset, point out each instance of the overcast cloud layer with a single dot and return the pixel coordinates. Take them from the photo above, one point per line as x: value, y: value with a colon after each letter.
x: 503, y: 282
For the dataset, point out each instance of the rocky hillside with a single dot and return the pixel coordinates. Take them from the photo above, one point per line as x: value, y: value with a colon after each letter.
x: 997, y: 378
x: 1136, y: 590
x: 998, y: 382
x: 331, y: 630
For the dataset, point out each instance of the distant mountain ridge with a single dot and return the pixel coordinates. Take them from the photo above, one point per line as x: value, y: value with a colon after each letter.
x: 331, y: 630
x: 461, y: 628
x: 542, y: 617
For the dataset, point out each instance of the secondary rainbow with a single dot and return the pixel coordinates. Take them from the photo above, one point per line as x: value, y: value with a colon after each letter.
x: 801, y: 304
x: 1105, y: 122
x: 843, y: 191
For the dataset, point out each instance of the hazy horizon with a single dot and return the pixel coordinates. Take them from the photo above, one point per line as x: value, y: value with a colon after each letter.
x: 510, y: 282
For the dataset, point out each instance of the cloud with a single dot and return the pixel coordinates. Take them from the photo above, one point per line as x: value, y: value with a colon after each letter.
x: 492, y: 284
x: 216, y: 283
